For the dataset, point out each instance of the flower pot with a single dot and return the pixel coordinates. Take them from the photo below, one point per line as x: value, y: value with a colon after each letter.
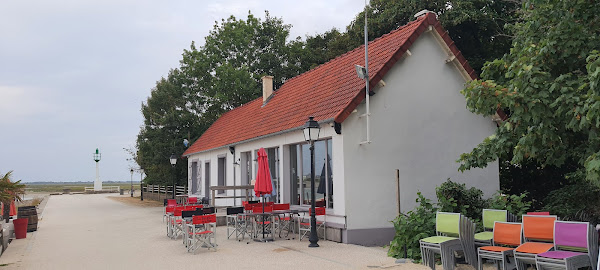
x: 20, y: 227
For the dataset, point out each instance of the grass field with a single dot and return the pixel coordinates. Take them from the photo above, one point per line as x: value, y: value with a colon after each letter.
x: 74, y: 187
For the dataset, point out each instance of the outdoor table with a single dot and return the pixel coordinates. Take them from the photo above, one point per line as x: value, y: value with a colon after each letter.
x: 254, y: 216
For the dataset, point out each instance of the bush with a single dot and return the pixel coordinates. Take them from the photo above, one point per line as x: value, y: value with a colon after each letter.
x: 578, y: 201
x: 410, y: 228
x: 456, y: 198
x: 514, y: 204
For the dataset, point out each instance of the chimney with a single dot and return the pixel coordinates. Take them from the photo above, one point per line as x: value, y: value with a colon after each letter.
x: 267, y: 87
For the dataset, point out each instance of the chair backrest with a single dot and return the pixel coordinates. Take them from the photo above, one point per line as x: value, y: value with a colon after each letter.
x: 197, y: 206
x: 571, y: 235
x: 177, y: 211
x: 170, y: 209
x: 199, y: 212
x: 508, y: 233
x: 259, y: 209
x: 538, y: 228
x: 319, y: 211
x: 269, y: 203
x: 188, y: 208
x: 447, y: 223
x: 539, y: 213
x: 204, y: 219
x: 490, y: 216
x: 281, y: 206
x: 208, y: 210
x: 171, y: 202
x: 234, y: 210
x: 248, y: 207
x: 191, y: 200
x: 185, y: 213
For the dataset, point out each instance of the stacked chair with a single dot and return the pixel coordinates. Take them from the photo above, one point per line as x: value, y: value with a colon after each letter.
x: 538, y: 233
x: 454, y: 232
x: 575, y: 246
x: 506, y: 237
x: 490, y: 216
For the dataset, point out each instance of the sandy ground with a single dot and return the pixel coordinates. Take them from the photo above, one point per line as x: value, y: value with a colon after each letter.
x: 108, y: 231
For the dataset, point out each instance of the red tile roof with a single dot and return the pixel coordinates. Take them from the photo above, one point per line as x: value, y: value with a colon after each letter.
x: 329, y: 91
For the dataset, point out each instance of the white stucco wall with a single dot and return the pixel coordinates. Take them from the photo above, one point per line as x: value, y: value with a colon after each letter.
x: 283, y: 141
x: 419, y: 125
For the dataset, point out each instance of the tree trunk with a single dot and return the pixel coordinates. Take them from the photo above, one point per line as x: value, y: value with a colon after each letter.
x: 6, y: 212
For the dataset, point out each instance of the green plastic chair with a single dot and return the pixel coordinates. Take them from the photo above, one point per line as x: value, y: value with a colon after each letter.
x: 454, y: 232
x: 490, y: 216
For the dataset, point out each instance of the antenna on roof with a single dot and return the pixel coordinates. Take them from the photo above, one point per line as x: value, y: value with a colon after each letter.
x: 366, y: 76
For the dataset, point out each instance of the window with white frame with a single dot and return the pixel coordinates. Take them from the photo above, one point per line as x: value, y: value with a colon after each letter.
x: 300, y: 166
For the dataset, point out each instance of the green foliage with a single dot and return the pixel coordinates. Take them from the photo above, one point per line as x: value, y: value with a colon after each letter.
x: 452, y: 197
x: 549, y: 85
x: 410, y: 228
x: 456, y: 198
x: 579, y: 201
x: 515, y: 204
x: 476, y: 26
x: 222, y: 74
x: 9, y: 191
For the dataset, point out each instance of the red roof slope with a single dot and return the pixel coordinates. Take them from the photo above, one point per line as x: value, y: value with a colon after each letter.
x: 329, y: 91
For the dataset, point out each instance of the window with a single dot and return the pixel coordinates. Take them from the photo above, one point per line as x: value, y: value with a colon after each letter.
x: 221, y: 174
x: 207, y: 179
x: 300, y: 174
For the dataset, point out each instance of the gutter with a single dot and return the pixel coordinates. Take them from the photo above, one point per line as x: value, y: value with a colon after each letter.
x: 326, y: 121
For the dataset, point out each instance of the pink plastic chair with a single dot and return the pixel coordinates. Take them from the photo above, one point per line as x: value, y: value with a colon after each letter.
x: 575, y: 246
x: 539, y: 213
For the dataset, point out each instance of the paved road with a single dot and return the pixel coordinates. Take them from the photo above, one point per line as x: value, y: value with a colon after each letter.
x: 96, y: 232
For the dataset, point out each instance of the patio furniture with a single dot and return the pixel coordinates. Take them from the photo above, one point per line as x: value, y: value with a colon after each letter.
x: 186, y: 217
x: 538, y: 233
x: 283, y: 221
x: 304, y: 225
x: 575, y: 246
x: 505, y: 234
x: 454, y: 232
x: 202, y: 233
x: 192, y: 200
x: 176, y: 222
x: 236, y: 224
x: 490, y: 216
x: 263, y: 222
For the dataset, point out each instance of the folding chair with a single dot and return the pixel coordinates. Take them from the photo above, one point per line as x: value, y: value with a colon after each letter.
x: 454, y: 233
x: 235, y: 223
x: 202, y: 232
x: 505, y: 234
x: 176, y: 222
x: 282, y: 221
x: 575, y: 246
x: 490, y: 216
x: 304, y: 227
x: 192, y: 200
x: 186, y: 217
x: 538, y: 237
x: 260, y: 223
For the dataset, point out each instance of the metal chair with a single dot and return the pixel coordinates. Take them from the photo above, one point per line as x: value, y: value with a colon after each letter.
x: 202, y: 233
x: 304, y: 227
x: 575, y: 246
x: 538, y: 237
x: 505, y: 234
x: 490, y: 216
x: 235, y: 223
x: 454, y: 233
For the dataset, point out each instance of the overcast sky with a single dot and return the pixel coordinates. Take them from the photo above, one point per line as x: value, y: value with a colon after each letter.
x: 74, y: 73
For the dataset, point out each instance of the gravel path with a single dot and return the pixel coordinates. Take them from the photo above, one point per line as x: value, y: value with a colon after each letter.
x: 97, y: 232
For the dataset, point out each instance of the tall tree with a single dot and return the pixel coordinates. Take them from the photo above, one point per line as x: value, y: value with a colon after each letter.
x: 549, y: 85
x: 220, y: 75
x: 476, y: 26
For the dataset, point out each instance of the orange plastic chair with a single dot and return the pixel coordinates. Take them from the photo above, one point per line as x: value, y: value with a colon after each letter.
x: 538, y: 232
x: 505, y: 234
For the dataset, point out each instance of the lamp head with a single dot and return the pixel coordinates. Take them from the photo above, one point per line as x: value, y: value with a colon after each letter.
x: 311, y: 130
x: 173, y: 159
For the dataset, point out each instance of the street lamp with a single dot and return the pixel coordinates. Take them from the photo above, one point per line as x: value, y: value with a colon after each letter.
x: 131, y: 190
x: 141, y: 184
x: 173, y: 160
x: 311, y: 134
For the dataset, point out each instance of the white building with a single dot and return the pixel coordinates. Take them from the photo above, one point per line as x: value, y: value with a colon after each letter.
x: 419, y: 125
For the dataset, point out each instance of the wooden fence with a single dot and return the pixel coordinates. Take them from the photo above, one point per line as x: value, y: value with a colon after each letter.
x: 159, y: 193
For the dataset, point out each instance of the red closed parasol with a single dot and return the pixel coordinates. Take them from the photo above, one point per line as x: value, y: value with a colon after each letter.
x: 263, y: 185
